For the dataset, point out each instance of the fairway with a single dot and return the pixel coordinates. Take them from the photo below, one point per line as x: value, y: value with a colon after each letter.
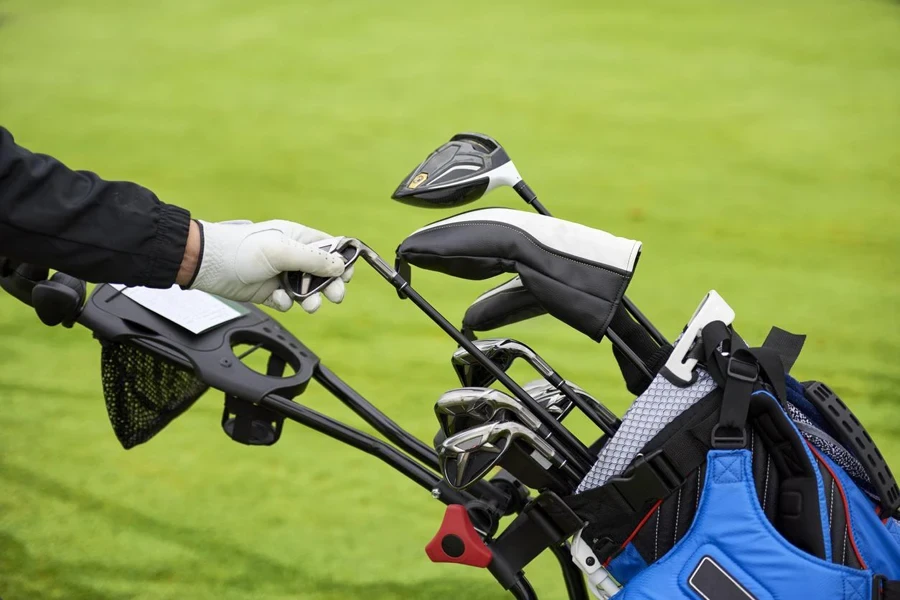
x: 753, y: 147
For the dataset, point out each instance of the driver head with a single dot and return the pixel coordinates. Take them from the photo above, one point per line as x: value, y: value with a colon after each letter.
x: 459, y: 172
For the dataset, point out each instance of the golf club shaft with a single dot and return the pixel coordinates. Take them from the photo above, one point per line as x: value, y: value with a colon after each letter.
x: 575, y: 450
x: 528, y: 195
x: 596, y: 412
x: 391, y: 430
x: 363, y: 441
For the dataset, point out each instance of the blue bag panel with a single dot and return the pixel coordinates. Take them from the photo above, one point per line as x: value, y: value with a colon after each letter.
x: 627, y: 564
x: 731, y: 534
x: 893, y: 528
x: 877, y: 544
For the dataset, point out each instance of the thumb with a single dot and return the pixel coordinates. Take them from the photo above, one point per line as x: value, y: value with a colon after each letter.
x: 290, y: 255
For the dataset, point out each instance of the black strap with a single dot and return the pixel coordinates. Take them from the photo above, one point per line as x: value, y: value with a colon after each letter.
x: 615, y: 509
x: 544, y: 522
x: 787, y: 345
x: 738, y: 370
x: 885, y: 589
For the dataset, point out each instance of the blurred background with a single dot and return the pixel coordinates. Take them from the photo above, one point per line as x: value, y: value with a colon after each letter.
x: 753, y: 147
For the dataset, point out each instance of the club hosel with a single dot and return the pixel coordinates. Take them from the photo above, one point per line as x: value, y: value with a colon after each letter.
x: 525, y: 191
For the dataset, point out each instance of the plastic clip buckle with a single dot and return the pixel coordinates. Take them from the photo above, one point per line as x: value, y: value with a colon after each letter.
x: 649, y: 478
x: 742, y: 370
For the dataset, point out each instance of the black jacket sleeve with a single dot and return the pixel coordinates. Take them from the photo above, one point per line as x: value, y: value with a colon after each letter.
x: 75, y: 222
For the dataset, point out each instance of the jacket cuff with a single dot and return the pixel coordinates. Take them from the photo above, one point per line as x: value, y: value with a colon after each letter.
x: 168, y: 246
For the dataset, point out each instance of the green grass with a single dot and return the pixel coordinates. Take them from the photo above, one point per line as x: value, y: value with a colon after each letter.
x: 753, y: 147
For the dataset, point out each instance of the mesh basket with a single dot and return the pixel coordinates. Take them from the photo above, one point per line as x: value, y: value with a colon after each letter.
x: 143, y: 392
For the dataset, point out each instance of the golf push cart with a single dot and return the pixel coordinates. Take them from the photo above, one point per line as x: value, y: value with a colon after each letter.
x: 497, y: 453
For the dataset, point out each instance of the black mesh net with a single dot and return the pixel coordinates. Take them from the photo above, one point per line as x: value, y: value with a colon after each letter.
x: 144, y: 393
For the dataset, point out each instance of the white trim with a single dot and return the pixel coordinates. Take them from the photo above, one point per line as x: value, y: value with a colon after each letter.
x: 505, y: 174
x: 570, y: 238
x: 457, y: 168
x: 515, y: 282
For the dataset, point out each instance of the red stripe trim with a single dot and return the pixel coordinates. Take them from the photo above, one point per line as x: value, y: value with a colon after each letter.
x: 846, y: 505
x: 637, y: 529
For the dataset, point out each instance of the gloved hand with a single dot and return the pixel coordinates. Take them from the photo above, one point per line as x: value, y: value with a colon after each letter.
x: 242, y: 260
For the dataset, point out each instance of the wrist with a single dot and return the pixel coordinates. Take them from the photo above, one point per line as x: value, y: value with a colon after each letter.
x: 193, y: 250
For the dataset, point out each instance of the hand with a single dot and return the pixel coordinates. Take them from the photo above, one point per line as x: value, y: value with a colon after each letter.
x: 241, y: 260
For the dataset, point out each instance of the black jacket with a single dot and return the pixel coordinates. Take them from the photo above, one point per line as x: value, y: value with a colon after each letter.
x: 75, y: 222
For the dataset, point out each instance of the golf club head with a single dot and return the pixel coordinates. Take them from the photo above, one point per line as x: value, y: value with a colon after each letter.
x: 502, y: 353
x: 459, y: 172
x: 554, y: 401
x: 471, y: 454
x: 464, y: 408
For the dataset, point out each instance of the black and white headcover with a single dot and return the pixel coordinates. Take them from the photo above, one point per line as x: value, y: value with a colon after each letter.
x: 577, y: 273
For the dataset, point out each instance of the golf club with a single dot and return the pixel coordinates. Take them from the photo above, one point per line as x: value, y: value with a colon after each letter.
x: 468, y: 407
x: 581, y: 457
x: 502, y: 352
x: 462, y: 171
x: 470, y: 455
x: 465, y: 408
x: 554, y: 401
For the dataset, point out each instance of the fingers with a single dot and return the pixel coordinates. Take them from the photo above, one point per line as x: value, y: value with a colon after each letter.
x: 334, y: 291
x: 279, y: 300
x: 312, y: 303
x: 347, y: 275
x: 290, y: 255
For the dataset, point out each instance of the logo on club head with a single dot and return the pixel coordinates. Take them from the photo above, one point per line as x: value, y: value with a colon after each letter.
x: 417, y: 180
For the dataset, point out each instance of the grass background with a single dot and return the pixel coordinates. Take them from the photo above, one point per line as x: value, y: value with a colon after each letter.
x: 753, y: 147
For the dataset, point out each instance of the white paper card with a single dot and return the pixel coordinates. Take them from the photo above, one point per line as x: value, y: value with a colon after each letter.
x: 194, y: 310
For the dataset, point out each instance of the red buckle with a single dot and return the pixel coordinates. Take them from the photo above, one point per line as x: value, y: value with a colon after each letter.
x: 457, y: 541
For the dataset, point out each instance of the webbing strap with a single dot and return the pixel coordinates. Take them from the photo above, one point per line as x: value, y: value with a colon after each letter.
x: 614, y: 509
x: 787, y: 345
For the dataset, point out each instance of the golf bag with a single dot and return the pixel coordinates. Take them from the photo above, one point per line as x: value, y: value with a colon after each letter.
x: 743, y: 484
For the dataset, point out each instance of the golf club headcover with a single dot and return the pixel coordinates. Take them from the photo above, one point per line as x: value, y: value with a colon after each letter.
x: 576, y: 273
x: 506, y: 304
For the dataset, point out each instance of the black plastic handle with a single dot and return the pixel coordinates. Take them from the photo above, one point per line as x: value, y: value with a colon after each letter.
x: 855, y: 438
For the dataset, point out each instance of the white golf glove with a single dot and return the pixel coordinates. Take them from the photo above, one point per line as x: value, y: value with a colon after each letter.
x: 242, y: 260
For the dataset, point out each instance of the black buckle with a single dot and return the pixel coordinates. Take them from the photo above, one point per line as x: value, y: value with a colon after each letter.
x: 649, y: 478
x: 727, y: 438
x: 743, y: 370
x: 878, y: 582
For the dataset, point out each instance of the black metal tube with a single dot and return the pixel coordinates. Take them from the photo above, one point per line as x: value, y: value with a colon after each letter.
x: 578, y: 454
x: 599, y: 415
x: 384, y: 425
x: 365, y: 442
x: 522, y: 590
x: 657, y: 336
x: 628, y: 352
x: 374, y: 417
x: 572, y: 576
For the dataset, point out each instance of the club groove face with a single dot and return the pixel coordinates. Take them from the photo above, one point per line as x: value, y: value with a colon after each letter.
x: 465, y: 408
x: 468, y: 456
x: 457, y: 173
